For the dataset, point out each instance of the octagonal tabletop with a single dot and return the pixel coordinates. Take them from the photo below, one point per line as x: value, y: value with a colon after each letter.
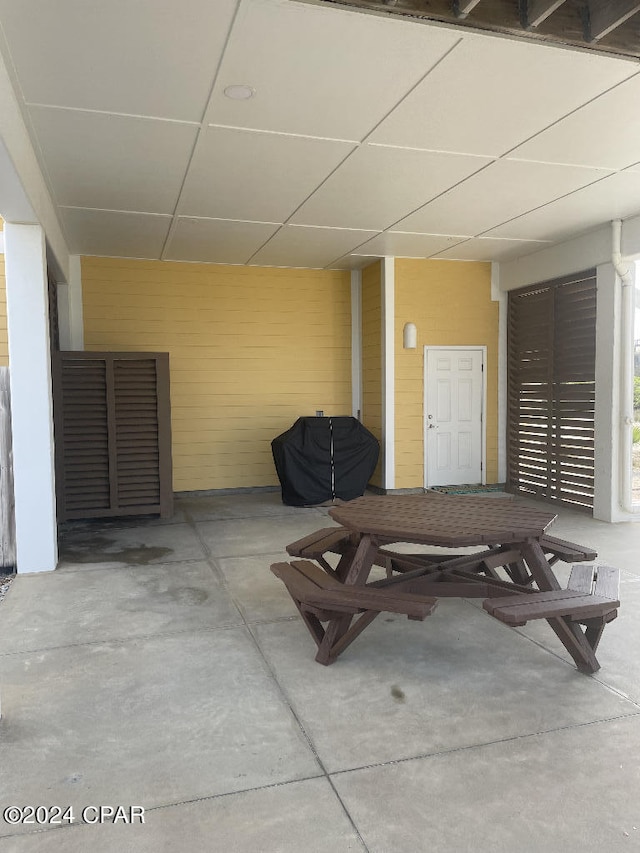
x: 446, y: 520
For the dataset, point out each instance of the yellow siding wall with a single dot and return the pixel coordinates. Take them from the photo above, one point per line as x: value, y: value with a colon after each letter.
x: 251, y: 349
x: 4, y: 349
x: 450, y: 303
x: 372, y: 357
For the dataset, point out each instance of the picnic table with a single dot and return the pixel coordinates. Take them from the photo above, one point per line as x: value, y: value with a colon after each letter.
x: 512, y: 570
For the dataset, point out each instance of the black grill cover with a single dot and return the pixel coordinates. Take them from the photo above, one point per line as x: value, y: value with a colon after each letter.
x: 319, y: 459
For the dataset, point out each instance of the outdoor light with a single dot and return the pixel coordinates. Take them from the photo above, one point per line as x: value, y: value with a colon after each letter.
x: 409, y: 336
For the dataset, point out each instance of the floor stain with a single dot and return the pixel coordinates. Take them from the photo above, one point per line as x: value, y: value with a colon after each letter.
x: 101, y: 549
x: 397, y: 693
x: 189, y: 595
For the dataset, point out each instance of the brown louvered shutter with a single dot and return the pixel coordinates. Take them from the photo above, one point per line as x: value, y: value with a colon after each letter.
x: 113, y: 434
x: 551, y: 390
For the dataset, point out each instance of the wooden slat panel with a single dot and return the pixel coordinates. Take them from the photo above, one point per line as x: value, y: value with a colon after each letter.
x: 112, y: 428
x: 136, y: 426
x: 551, y: 389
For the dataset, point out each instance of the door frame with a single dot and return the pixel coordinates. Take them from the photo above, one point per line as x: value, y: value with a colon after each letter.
x: 483, y: 418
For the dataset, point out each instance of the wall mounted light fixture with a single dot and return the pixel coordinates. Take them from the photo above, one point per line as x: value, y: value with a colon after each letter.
x: 409, y: 336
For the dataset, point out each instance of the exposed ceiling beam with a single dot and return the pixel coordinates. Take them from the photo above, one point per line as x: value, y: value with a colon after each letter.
x: 537, y: 11
x: 463, y: 7
x: 606, y: 15
x: 551, y: 21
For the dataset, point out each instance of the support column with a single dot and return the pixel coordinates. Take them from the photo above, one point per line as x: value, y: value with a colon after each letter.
x: 31, y: 398
x: 499, y: 296
x: 70, y: 320
x: 606, y: 504
x: 388, y: 374
x: 356, y: 344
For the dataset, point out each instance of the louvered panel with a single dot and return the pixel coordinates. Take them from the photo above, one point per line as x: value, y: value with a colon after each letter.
x: 136, y: 424
x: 85, y: 468
x: 112, y: 417
x: 551, y: 390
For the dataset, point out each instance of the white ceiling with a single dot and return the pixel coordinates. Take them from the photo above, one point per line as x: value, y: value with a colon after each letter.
x: 366, y: 135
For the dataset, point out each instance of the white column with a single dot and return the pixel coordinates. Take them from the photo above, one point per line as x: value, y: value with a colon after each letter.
x: 70, y: 321
x: 356, y: 344
x: 606, y: 504
x: 76, y: 321
x: 499, y: 296
x: 388, y: 374
x: 31, y: 397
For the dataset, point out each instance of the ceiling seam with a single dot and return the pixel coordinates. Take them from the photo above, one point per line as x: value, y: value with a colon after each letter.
x: 200, y: 134
x: 113, y: 210
x: 546, y: 204
x: 139, y: 116
x: 258, y: 130
x: 572, y: 112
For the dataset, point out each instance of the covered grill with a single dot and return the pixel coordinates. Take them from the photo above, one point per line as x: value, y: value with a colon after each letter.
x: 320, y: 459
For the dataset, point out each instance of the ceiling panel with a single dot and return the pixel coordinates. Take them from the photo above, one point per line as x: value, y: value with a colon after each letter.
x: 239, y: 174
x: 217, y: 241
x: 111, y: 162
x: 503, y: 190
x: 491, y: 93
x: 353, y: 262
x: 405, y: 245
x: 298, y: 246
x: 604, y: 133
x: 322, y: 72
x: 377, y: 186
x: 148, y: 57
x: 125, y: 235
x: 359, y: 125
x: 616, y: 197
x: 491, y: 249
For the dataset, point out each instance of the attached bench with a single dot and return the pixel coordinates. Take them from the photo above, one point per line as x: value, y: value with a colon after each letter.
x: 333, y: 540
x: 569, y: 552
x: 591, y: 599
x: 320, y: 597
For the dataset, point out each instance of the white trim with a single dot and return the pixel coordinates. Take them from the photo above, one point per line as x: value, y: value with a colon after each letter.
x: 387, y: 279
x: 76, y: 320
x: 356, y: 344
x: 62, y: 298
x: 607, y: 407
x: 499, y: 296
x: 483, y: 450
x: 31, y: 398
x: 70, y: 319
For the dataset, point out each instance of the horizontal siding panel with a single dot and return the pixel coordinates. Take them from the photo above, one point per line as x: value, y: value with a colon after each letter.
x: 251, y: 349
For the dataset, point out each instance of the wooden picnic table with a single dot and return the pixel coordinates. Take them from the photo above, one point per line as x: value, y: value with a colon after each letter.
x: 511, y: 535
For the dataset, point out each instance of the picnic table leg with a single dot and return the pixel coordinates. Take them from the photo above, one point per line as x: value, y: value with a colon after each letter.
x: 518, y: 572
x: 569, y: 633
x: 353, y: 569
x: 340, y: 633
x: 362, y: 561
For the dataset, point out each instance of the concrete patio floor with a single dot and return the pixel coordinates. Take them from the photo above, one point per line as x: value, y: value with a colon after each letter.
x: 162, y: 665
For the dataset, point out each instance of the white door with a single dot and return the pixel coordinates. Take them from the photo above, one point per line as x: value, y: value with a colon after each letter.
x: 453, y: 416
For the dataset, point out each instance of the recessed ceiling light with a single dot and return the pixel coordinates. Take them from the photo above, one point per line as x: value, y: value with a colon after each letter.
x: 239, y: 92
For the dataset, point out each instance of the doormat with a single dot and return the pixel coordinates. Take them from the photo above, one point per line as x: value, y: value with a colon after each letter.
x: 468, y: 489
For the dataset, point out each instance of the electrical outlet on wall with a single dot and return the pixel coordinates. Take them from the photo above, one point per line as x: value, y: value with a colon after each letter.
x: 319, y: 413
